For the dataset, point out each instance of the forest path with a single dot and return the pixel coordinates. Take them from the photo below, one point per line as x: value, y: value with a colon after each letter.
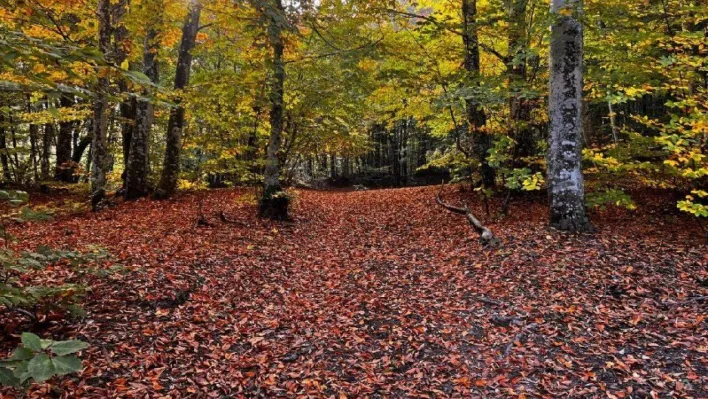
x: 379, y: 293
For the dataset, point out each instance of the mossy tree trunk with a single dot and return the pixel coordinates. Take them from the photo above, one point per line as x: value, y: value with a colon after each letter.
x: 274, y: 203
x: 175, y: 124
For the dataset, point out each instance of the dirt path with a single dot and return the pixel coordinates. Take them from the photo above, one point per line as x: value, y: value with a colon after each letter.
x: 381, y: 294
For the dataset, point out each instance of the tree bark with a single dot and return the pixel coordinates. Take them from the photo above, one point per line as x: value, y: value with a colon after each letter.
x: 136, y: 176
x: 99, y: 150
x: 127, y: 106
x: 486, y: 236
x: 33, y: 136
x: 4, y: 158
x: 519, y: 108
x: 565, y: 177
x: 46, y: 150
x: 274, y: 203
x: 613, y: 122
x: 175, y: 125
x: 476, y: 116
x: 64, y: 168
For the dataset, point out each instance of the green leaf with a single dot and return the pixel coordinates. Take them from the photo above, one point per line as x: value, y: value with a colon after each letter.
x: 66, y: 364
x: 67, y: 347
x: 7, y: 377
x: 21, y: 372
x: 22, y: 354
x: 31, y: 341
x: 41, y: 367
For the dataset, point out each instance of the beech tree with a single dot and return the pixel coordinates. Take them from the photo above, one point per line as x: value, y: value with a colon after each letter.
x: 99, y: 150
x: 274, y: 203
x: 175, y: 125
x: 136, y: 178
x: 476, y: 117
x: 565, y: 178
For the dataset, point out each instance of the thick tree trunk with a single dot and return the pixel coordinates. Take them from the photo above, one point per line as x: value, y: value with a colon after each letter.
x: 175, y: 125
x: 476, y: 117
x: 136, y: 173
x: 565, y: 177
x: 64, y: 169
x: 99, y: 150
x: 128, y: 106
x: 274, y: 204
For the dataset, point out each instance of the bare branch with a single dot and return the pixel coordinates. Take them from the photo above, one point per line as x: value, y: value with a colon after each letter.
x: 485, y: 235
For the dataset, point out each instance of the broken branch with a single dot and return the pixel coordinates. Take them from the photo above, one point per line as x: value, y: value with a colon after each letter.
x: 485, y: 235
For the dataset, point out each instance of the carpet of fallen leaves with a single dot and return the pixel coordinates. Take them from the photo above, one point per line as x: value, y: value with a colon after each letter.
x: 382, y: 294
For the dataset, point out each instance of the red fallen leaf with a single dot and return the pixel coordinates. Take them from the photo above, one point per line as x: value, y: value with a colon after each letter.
x: 464, y: 381
x: 361, y: 277
x: 636, y: 319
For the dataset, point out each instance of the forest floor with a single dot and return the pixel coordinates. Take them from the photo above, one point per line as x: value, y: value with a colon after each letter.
x: 382, y: 294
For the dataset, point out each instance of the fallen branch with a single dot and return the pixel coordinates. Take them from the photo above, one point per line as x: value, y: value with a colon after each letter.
x: 488, y: 301
x: 485, y: 235
x: 672, y: 304
x: 224, y: 219
x: 27, y: 313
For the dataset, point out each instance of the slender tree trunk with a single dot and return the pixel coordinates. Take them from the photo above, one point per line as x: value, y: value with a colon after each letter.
x: 128, y: 110
x: 476, y: 116
x: 64, y: 169
x: 613, y: 122
x: 4, y: 158
x: 175, y: 125
x: 565, y: 177
x: 16, y: 164
x: 274, y: 204
x: 99, y: 146
x: 519, y: 108
x: 136, y: 176
x: 332, y: 166
x: 46, y: 150
x: 33, y: 136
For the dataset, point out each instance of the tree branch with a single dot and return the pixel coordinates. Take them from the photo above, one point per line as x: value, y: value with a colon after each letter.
x: 485, y: 235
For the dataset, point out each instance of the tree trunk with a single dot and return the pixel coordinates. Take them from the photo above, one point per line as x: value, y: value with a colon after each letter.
x: 136, y: 173
x: 127, y: 106
x: 128, y: 110
x: 519, y: 108
x: 4, y: 158
x: 99, y: 150
x: 565, y: 177
x: 46, y: 150
x: 175, y: 125
x: 274, y: 204
x: 64, y: 169
x: 476, y: 116
x: 613, y: 122
x: 33, y: 136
